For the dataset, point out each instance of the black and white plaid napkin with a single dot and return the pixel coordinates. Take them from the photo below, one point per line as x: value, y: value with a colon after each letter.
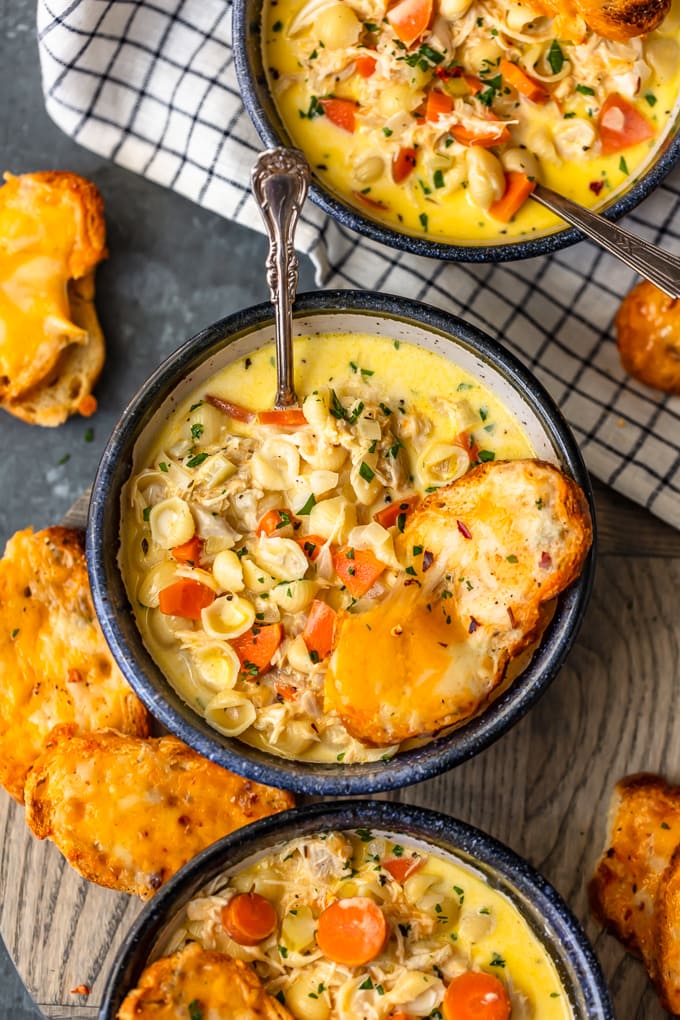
x: 151, y: 85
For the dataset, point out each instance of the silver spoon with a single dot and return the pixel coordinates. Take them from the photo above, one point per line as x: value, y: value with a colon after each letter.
x: 650, y: 261
x: 280, y: 179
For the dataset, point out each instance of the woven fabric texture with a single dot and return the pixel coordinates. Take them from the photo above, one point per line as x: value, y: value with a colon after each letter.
x: 151, y: 85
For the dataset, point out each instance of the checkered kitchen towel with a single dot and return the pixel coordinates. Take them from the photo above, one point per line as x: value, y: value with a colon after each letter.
x: 150, y: 84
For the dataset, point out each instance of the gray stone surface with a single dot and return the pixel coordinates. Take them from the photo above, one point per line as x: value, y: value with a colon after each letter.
x: 173, y: 269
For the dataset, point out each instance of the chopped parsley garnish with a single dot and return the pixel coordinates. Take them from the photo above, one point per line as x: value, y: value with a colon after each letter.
x: 665, y: 825
x: 366, y: 986
x: 539, y: 503
x: 555, y: 57
x: 483, y: 413
x: 511, y: 559
x: 283, y: 951
x: 315, y: 109
x: 277, y: 26
x: 365, y: 835
x: 321, y: 988
x: 195, y: 407
x: 197, y: 430
x: 485, y: 455
x: 89, y: 435
x: 340, y: 756
x: 146, y: 513
x: 460, y: 893
x: 438, y: 179
x: 370, y: 27
x: 195, y: 1011
x: 493, y: 86
x: 14, y: 633
x: 585, y: 90
x: 64, y: 460
x: 197, y: 460
x: 385, y: 409
x: 164, y: 467
x: 497, y: 961
x: 366, y: 472
x: 387, y: 132
x: 314, y: 655
x: 651, y: 98
x: 462, y: 386
x: 307, y: 508
x: 423, y: 220
x: 623, y: 166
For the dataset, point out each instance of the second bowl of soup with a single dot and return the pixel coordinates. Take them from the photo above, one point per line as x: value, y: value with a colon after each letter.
x: 357, y: 592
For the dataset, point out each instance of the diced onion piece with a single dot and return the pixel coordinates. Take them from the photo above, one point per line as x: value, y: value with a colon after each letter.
x: 218, y: 666
x: 171, y: 523
x: 376, y: 538
x: 228, y: 617
x: 281, y: 557
x: 298, y: 655
x: 215, y: 470
x: 275, y: 466
x: 230, y: 713
x: 228, y: 571
x: 297, y: 930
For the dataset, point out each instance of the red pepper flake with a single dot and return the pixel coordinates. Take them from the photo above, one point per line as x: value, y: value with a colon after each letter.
x: 80, y: 990
x: 596, y: 187
x: 444, y: 73
x: 464, y: 530
x: 545, y: 561
x: 428, y: 560
x: 473, y: 625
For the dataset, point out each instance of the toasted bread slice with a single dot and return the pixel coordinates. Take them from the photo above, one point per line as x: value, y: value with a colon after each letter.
x: 668, y: 936
x: 55, y: 667
x: 127, y: 813
x: 486, y: 553
x: 52, y: 236
x: 211, y: 983
x: 623, y: 19
x: 644, y: 831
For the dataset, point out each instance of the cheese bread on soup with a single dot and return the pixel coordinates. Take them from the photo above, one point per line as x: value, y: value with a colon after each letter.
x: 635, y: 891
x: 127, y: 813
x: 56, y: 670
x: 52, y: 235
x: 198, y: 983
x: 485, y: 554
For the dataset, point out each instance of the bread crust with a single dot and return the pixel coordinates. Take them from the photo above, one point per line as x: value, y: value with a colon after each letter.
x: 619, y: 20
x: 56, y: 671
x: 52, y: 236
x: 630, y: 892
x: 218, y: 985
x: 127, y: 813
x: 648, y: 337
x: 485, y: 554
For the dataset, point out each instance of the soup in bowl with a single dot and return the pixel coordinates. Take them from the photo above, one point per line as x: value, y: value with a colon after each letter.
x: 285, y: 573
x: 368, y: 910
x: 435, y: 119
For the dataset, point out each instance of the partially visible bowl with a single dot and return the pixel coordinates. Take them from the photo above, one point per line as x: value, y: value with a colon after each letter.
x: 252, y: 77
x: 538, y: 903
x: 239, y: 335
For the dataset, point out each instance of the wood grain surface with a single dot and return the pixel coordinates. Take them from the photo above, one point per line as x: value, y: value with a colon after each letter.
x: 543, y: 788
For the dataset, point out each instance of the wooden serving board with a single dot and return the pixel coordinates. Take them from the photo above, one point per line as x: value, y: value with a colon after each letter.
x: 543, y: 788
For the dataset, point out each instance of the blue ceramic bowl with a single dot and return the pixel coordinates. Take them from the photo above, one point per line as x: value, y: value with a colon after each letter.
x: 197, y: 360
x: 540, y: 905
x: 247, y: 42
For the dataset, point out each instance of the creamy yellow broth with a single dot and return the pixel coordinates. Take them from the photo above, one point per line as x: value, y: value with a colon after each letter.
x: 447, y: 195
x: 443, y: 919
x: 214, y: 477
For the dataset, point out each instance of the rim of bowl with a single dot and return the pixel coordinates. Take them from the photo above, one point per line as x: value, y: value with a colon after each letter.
x: 568, y: 948
x: 262, y: 111
x: 146, y: 678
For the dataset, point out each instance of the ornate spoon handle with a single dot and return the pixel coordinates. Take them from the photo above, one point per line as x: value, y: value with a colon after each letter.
x: 280, y: 179
x: 648, y: 260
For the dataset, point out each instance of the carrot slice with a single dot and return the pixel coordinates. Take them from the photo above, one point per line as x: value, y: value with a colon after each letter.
x: 186, y: 598
x: 524, y: 83
x: 274, y: 522
x: 256, y: 648
x: 621, y: 125
x: 311, y: 545
x: 468, y: 137
x: 189, y: 552
x: 233, y: 410
x: 469, y: 444
x: 398, y: 1014
x: 365, y: 65
x: 438, y: 105
x: 319, y: 630
x: 476, y: 995
x: 401, y: 867
x: 352, y: 931
x: 518, y: 187
x: 341, y: 113
x: 285, y: 417
x: 402, y: 164
x: 473, y: 83
x: 409, y: 19
x: 390, y: 514
x: 358, y: 569
x: 248, y: 918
